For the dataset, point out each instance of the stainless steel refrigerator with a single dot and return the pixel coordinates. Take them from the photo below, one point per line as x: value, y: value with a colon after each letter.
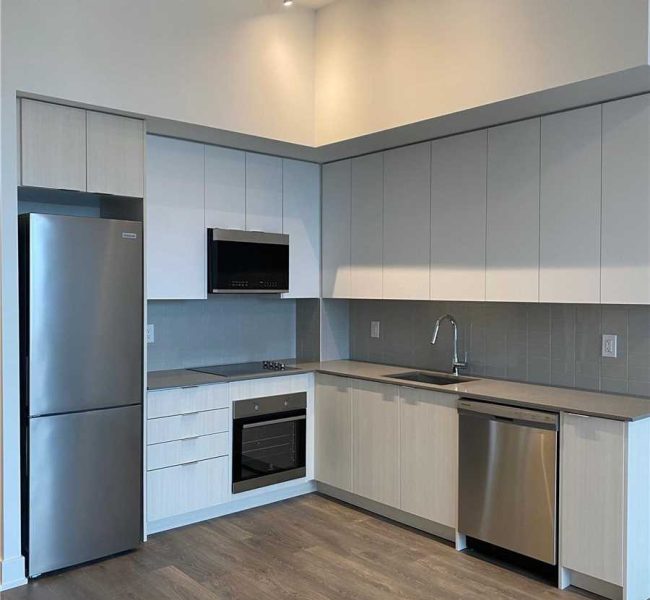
x: 81, y: 384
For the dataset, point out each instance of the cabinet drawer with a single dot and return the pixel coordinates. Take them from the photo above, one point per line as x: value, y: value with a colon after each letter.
x: 186, y: 488
x: 185, y: 426
x: 179, y: 401
x: 189, y: 450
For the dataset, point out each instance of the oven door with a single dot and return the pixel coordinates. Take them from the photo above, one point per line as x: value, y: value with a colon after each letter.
x: 268, y: 449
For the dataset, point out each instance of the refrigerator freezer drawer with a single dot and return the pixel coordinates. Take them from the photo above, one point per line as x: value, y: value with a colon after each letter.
x: 167, y: 429
x: 84, y: 487
x: 186, y: 488
x: 179, y: 401
x: 178, y: 452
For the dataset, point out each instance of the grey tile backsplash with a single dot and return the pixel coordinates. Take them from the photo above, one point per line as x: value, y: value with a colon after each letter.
x: 220, y: 330
x: 557, y: 344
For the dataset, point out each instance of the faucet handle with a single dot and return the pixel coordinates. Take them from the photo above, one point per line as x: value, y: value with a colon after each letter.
x: 462, y: 364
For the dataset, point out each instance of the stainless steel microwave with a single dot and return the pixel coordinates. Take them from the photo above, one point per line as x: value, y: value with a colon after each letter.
x: 247, y: 262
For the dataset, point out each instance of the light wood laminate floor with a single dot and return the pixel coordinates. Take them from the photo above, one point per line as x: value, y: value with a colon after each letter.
x: 309, y: 547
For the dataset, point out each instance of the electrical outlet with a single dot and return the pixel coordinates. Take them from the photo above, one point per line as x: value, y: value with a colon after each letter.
x: 609, y: 346
x: 374, y: 329
x: 151, y: 335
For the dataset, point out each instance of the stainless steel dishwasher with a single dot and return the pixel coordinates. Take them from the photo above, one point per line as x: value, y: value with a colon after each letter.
x: 507, y: 492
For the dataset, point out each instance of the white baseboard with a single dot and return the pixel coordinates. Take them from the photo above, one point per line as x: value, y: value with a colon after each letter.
x: 593, y: 585
x: 12, y: 573
x: 234, y: 506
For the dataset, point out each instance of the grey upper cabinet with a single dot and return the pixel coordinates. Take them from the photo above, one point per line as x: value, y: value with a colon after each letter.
x: 366, y: 220
x: 407, y: 222
x: 512, y: 244
x: 301, y: 222
x: 175, y: 224
x: 458, y: 213
x: 335, y: 217
x: 115, y: 155
x: 53, y: 146
x: 225, y: 188
x: 570, y: 201
x: 263, y: 193
x: 626, y: 202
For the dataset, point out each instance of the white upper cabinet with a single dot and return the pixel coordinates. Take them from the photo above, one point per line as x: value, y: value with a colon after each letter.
x: 176, y: 233
x: 407, y: 222
x: 458, y: 204
x: 53, y: 146
x: 115, y: 155
x: 225, y: 188
x: 301, y: 221
x: 367, y: 205
x: 336, y: 229
x: 512, y: 245
x: 263, y: 193
x: 626, y: 202
x: 570, y: 202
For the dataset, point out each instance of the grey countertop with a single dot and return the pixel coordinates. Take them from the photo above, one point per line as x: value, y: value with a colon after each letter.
x: 610, y: 406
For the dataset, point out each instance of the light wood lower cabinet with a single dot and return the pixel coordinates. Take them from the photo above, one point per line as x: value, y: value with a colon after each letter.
x: 179, y: 452
x: 186, y: 488
x: 334, y: 432
x: 429, y: 455
x: 375, y: 442
x: 592, y: 496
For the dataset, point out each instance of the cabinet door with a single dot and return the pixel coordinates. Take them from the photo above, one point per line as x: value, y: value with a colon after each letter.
x: 367, y: 207
x: 429, y: 455
x: 570, y: 207
x: 512, y: 244
x: 626, y: 202
x: 407, y: 222
x: 176, y: 235
x: 336, y: 229
x: 225, y: 188
x: 333, y: 422
x: 458, y: 200
x: 263, y: 193
x: 53, y: 146
x: 375, y: 442
x: 115, y: 155
x: 301, y: 221
x: 592, y: 456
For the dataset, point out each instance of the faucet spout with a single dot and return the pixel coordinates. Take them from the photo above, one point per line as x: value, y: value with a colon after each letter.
x: 456, y: 363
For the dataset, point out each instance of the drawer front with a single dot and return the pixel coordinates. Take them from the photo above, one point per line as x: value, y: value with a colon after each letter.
x: 180, y: 427
x: 169, y: 454
x: 186, y: 488
x: 179, y: 401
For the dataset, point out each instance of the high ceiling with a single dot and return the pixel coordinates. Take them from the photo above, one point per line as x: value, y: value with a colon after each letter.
x: 314, y: 3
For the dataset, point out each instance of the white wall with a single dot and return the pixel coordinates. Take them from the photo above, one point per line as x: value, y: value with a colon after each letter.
x: 385, y: 63
x: 240, y: 65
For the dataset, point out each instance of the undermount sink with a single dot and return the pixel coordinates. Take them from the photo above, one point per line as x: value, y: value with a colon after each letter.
x: 422, y: 377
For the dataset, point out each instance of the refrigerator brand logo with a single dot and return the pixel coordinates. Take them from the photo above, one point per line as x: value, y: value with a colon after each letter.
x: 129, y: 236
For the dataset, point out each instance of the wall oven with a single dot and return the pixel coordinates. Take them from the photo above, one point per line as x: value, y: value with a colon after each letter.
x: 247, y: 262
x: 269, y: 441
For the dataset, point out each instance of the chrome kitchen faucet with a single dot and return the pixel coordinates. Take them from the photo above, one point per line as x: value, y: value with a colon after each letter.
x: 456, y: 364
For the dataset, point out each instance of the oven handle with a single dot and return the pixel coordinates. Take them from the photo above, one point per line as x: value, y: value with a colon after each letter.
x: 274, y: 421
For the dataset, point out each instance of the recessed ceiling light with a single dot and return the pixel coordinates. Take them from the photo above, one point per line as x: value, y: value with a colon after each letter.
x: 287, y: 2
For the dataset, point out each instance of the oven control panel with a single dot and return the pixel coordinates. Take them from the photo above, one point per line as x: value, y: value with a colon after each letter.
x: 269, y: 405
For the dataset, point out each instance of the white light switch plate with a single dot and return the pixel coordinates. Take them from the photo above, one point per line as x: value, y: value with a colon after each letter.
x: 609, y: 349
x: 151, y: 335
x: 374, y: 329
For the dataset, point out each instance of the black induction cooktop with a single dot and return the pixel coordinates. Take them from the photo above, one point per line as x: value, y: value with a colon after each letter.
x: 240, y: 369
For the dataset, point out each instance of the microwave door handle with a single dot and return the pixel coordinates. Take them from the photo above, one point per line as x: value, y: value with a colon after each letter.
x: 273, y: 422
